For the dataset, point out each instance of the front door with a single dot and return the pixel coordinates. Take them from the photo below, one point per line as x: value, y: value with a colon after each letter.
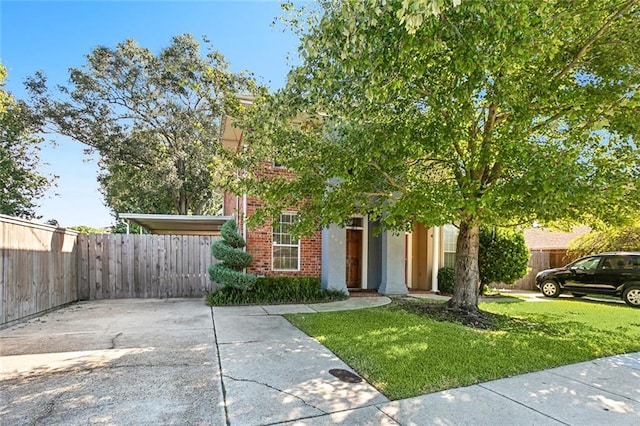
x: 354, y: 258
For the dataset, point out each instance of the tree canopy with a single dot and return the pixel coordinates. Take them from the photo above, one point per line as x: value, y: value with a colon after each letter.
x: 496, y: 113
x: 154, y: 119
x: 625, y: 238
x: 21, y: 184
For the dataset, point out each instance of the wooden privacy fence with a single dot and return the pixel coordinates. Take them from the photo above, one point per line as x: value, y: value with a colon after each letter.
x: 38, y: 268
x: 114, y: 266
x: 539, y: 261
x: 43, y: 267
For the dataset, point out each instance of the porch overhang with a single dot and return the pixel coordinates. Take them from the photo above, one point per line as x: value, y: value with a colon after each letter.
x: 167, y: 224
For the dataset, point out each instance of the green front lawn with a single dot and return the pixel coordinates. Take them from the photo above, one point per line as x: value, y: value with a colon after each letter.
x: 406, y: 354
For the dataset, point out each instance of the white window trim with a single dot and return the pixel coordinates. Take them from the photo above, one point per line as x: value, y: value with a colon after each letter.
x: 444, y: 250
x: 273, y: 245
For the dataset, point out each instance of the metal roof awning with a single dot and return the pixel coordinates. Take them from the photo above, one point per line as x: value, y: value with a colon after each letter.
x: 169, y: 224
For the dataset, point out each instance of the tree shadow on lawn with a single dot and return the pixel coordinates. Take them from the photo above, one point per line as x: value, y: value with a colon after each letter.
x: 489, y: 321
x: 441, y: 312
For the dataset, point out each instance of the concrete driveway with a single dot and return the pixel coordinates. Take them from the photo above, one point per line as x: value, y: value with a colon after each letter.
x: 113, y: 362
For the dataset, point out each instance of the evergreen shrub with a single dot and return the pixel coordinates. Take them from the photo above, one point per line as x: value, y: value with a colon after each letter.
x: 228, y: 273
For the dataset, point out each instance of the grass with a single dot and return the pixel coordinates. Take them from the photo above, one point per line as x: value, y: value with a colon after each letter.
x: 405, y: 354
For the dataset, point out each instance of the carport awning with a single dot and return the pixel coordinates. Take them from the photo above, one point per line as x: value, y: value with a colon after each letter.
x: 168, y: 224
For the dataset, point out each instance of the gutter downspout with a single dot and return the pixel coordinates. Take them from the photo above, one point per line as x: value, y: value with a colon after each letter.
x: 244, y: 217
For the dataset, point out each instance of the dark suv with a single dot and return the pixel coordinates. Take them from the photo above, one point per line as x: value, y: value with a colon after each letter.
x: 614, y: 274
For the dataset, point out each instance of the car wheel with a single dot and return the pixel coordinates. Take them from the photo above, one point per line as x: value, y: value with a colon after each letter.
x: 550, y: 289
x: 631, y: 296
x: 578, y: 294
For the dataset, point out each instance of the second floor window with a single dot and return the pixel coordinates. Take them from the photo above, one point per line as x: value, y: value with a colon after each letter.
x: 286, y: 249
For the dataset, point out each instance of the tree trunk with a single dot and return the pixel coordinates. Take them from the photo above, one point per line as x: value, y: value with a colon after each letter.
x: 182, y: 203
x: 183, y: 207
x: 467, y: 275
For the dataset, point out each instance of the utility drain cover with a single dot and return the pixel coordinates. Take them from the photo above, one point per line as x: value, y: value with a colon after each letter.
x: 345, y: 376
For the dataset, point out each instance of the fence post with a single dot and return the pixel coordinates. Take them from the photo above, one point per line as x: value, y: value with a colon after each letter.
x: 83, y: 267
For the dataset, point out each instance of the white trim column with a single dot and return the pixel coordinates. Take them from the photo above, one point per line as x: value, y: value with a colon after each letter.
x: 435, y: 266
x: 409, y: 255
x: 392, y: 263
x: 364, y: 264
x: 334, y: 258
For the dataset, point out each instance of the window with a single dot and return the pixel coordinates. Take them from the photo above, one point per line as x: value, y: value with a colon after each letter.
x: 449, y: 241
x: 588, y: 263
x: 621, y: 262
x: 286, y: 250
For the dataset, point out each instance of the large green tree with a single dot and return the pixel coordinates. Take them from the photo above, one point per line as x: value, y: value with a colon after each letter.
x: 495, y: 113
x: 154, y: 119
x: 21, y: 184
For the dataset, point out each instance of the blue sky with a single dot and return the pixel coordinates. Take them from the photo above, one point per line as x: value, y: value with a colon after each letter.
x: 54, y: 35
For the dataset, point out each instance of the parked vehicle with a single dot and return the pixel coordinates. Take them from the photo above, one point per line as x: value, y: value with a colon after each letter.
x: 614, y: 274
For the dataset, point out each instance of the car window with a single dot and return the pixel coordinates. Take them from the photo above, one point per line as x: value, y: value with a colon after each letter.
x: 588, y: 263
x: 618, y: 262
x: 630, y: 262
x: 621, y: 262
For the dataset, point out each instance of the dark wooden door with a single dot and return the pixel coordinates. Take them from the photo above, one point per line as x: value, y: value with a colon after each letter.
x: 354, y: 258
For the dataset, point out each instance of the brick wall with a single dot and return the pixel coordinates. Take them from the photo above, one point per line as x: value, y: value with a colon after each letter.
x: 260, y: 239
x: 259, y: 244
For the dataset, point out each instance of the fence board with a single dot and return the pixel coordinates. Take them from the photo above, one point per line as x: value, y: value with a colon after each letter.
x: 152, y: 268
x: 37, y: 263
x: 83, y: 267
x: 163, y: 266
x: 112, y: 272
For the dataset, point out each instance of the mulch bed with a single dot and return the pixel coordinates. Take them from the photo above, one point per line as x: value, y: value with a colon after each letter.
x: 442, y: 312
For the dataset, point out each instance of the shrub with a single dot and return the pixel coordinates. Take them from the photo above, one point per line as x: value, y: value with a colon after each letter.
x: 274, y: 290
x: 446, y: 278
x: 503, y: 256
x: 233, y: 259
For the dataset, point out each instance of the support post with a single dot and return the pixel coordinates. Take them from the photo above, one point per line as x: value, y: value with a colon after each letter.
x: 334, y: 258
x: 435, y: 266
x: 392, y: 264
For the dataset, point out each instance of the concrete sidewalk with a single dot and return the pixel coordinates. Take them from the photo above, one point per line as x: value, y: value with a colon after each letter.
x: 181, y: 362
x: 274, y: 374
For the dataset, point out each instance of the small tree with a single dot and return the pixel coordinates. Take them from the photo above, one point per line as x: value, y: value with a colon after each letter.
x: 503, y: 256
x: 233, y: 259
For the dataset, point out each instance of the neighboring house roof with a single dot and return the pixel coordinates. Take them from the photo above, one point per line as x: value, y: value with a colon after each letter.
x: 168, y: 224
x: 544, y: 239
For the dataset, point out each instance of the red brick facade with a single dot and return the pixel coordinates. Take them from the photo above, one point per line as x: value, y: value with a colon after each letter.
x: 260, y: 244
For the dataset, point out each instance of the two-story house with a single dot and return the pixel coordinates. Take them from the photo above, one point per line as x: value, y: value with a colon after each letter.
x: 346, y: 258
